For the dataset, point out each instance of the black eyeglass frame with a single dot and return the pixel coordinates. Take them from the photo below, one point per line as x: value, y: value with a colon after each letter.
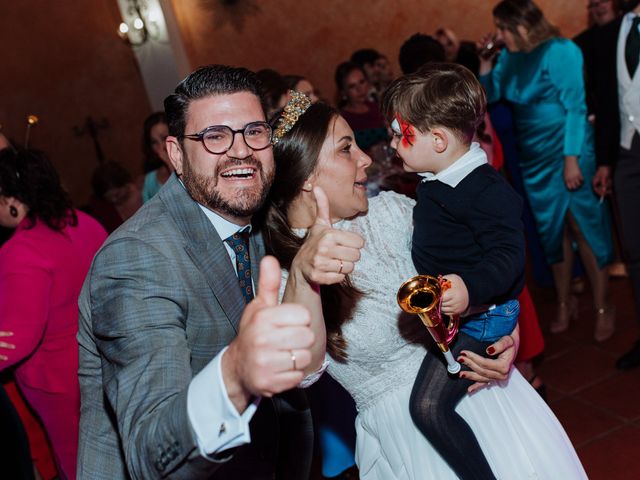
x: 200, y: 136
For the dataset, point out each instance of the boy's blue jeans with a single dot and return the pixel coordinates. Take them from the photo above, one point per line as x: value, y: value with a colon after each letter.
x: 493, y: 324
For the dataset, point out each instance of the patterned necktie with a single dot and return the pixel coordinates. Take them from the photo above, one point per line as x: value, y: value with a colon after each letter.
x: 239, y: 242
x: 632, y: 47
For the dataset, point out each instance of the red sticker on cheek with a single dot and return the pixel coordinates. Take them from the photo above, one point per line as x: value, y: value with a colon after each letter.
x: 408, y: 132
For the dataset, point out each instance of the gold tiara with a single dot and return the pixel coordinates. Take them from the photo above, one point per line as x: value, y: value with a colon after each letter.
x: 292, y: 111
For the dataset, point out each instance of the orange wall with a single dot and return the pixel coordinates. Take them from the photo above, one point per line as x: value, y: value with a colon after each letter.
x: 62, y: 61
x: 311, y: 37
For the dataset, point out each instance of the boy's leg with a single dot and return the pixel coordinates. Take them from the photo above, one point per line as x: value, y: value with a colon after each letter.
x: 432, y: 405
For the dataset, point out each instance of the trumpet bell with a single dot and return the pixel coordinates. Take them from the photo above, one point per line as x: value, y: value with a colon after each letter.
x: 420, y: 294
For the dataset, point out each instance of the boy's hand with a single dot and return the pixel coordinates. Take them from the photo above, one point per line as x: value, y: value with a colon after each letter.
x: 456, y: 299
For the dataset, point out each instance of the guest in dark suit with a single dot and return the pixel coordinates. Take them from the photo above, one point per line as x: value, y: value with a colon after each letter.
x: 601, y: 12
x: 174, y: 354
x: 617, y: 122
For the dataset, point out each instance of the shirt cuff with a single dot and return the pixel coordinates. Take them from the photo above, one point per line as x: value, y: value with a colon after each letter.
x: 216, y: 422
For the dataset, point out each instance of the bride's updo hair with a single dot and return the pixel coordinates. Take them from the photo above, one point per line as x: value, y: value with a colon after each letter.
x: 296, y: 158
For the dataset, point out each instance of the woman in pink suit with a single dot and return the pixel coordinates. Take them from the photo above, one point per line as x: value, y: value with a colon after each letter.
x: 42, y: 268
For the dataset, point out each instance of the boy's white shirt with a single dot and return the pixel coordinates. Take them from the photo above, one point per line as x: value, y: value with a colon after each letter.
x: 458, y: 170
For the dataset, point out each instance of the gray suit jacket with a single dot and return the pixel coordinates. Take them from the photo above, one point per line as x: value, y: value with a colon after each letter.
x: 160, y: 301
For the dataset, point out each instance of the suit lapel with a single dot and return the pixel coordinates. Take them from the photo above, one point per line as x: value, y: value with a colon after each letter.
x: 205, y: 248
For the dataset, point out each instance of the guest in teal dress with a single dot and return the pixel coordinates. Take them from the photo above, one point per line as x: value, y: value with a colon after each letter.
x: 157, y: 166
x: 540, y: 74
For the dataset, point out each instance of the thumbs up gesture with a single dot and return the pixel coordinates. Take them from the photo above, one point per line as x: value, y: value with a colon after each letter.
x: 327, y: 255
x: 272, y: 348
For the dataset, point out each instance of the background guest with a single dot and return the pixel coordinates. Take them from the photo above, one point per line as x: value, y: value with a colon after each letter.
x: 361, y: 113
x: 302, y: 85
x: 555, y: 142
x: 156, y: 164
x: 42, y: 267
x: 456, y: 51
x: 617, y: 120
x: 377, y: 69
x: 115, y: 195
x: 275, y: 91
x: 601, y: 12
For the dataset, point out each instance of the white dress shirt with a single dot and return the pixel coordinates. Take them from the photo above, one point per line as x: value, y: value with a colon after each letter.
x: 458, y: 170
x: 628, y: 88
x: 216, y: 422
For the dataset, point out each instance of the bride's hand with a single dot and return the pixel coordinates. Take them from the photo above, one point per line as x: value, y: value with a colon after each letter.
x: 485, y: 370
x: 327, y: 255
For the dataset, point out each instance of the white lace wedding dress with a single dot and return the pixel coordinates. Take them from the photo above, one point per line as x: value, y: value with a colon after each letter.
x: 519, y: 435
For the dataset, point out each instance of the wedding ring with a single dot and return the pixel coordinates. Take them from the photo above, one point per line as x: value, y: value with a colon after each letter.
x: 341, y: 266
x: 293, y: 359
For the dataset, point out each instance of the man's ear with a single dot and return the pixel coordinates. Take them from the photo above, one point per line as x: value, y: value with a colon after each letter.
x: 440, y: 139
x: 175, y: 154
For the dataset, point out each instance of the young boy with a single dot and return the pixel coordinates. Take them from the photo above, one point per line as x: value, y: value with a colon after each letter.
x: 467, y: 227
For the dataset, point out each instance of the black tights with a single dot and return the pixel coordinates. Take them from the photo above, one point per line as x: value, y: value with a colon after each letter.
x: 434, y: 398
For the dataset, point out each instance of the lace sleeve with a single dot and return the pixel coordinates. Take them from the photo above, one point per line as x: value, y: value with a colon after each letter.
x: 392, y: 215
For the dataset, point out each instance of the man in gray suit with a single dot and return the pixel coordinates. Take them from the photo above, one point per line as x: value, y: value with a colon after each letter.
x: 174, y: 356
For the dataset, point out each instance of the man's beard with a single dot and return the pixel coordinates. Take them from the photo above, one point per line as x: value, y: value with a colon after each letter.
x: 245, y: 201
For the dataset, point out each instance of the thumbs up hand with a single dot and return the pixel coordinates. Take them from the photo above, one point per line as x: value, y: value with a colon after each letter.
x: 327, y: 255
x: 323, y: 215
x: 272, y: 348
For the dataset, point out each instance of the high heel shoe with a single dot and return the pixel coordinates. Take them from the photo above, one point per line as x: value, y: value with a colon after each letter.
x: 567, y: 311
x: 605, y: 323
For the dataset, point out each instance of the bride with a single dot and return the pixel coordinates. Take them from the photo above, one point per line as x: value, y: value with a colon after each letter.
x: 318, y: 203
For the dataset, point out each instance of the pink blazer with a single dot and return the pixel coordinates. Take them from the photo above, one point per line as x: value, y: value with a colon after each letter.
x: 41, y: 274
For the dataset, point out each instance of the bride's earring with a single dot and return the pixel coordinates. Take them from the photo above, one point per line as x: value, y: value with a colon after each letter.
x: 307, y: 187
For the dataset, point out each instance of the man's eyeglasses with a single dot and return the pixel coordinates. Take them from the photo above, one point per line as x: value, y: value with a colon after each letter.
x: 218, y: 139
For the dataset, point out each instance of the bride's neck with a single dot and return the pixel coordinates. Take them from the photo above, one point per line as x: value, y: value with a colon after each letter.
x: 300, y: 214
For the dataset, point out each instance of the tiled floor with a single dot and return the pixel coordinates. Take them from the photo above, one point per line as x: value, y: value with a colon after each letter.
x: 598, y: 405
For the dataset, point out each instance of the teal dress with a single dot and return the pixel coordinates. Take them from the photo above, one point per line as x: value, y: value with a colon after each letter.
x: 546, y: 90
x: 151, y: 186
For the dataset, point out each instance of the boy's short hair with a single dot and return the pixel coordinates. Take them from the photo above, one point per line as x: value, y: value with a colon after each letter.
x: 438, y: 95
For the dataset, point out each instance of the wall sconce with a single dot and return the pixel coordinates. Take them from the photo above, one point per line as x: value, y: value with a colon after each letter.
x: 140, y: 24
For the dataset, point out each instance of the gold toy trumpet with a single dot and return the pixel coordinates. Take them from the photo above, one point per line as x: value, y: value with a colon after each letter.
x: 422, y: 295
